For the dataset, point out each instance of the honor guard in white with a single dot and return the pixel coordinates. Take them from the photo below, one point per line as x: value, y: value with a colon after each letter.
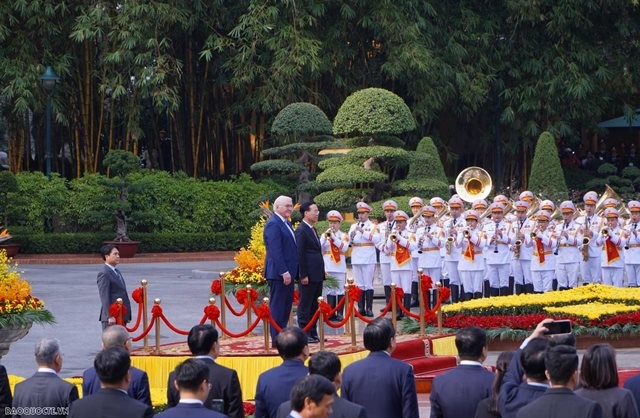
x: 611, y: 240
x: 527, y: 196
x: 451, y: 227
x: 480, y: 206
x: 498, y: 252
x: 385, y: 229
x: 543, y: 265
x: 520, y: 253
x: 363, y: 236
x: 440, y: 206
x: 429, y: 239
x: 613, y: 203
x: 334, y: 244
x: 591, y: 253
x: 416, y: 221
x: 567, y: 251
x: 632, y: 249
x: 400, y: 243
x: 471, y: 240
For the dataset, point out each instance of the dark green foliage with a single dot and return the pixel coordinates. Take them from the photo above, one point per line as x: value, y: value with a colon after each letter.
x: 402, y: 201
x: 349, y: 174
x: 396, y: 157
x: 299, y: 119
x: 281, y: 166
x: 631, y: 172
x: 373, y: 111
x: 427, y: 146
x: 26, y: 319
x: 425, y: 188
x: 607, y: 169
x: 426, y: 166
x: 577, y: 178
x: 546, y: 176
x: 333, y: 161
x: 596, y: 184
x: 8, y: 184
x: 384, y: 140
x: 298, y: 147
x: 343, y: 200
x: 323, y: 224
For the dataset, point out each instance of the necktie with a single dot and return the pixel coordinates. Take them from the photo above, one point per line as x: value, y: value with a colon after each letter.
x: 120, y: 277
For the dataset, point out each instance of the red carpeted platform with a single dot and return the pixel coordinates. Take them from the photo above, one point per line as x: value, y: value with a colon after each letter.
x: 418, y: 353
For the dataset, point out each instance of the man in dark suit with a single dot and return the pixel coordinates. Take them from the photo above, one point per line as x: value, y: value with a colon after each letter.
x: 192, y: 381
x: 281, y: 262
x: 311, y: 268
x: 274, y: 385
x: 5, y: 391
x: 111, y: 401
x: 327, y: 364
x: 312, y: 397
x: 528, y: 360
x: 384, y: 386
x: 457, y: 392
x: 45, y: 389
x: 117, y: 336
x: 225, y: 394
x: 633, y: 384
x: 111, y: 286
x: 559, y: 401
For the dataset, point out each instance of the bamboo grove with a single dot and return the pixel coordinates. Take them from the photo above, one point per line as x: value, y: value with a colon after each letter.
x: 195, y: 84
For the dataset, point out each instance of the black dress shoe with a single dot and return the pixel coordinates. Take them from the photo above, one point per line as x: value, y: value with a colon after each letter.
x: 313, y: 340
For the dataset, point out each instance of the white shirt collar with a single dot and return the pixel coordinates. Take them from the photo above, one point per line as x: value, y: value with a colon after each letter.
x: 46, y: 370
x: 281, y: 217
x: 191, y: 401
x: 295, y: 414
x: 470, y: 363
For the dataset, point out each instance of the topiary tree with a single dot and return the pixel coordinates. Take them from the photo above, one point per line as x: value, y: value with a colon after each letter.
x: 300, y: 119
x: 373, y: 111
x: 546, y: 176
x: 425, y: 162
x: 8, y: 184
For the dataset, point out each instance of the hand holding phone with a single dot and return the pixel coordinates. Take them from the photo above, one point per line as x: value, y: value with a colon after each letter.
x: 560, y: 326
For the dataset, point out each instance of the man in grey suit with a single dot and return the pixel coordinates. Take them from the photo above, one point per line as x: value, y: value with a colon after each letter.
x: 45, y: 389
x: 327, y: 364
x: 111, y: 286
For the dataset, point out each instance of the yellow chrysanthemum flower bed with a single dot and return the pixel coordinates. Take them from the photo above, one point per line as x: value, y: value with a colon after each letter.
x: 594, y: 310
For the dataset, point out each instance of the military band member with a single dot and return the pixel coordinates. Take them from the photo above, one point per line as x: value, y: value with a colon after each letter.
x: 400, y: 244
x: 568, y: 255
x: 591, y: 224
x: 440, y: 206
x: 363, y: 236
x: 480, y: 206
x: 613, y: 203
x: 498, y: 251
x: 335, y: 244
x: 416, y: 221
x: 632, y: 250
x: 520, y: 253
x: 542, y: 240
x: 452, y: 252
x: 471, y: 240
x: 527, y: 196
x: 385, y: 229
x: 429, y: 240
x: 611, y: 240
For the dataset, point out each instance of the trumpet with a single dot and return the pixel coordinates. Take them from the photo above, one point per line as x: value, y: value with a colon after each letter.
x: 534, y: 235
x: 516, y: 249
x: 466, y: 233
x: 328, y: 233
x: 585, y: 248
x: 605, y: 232
x: 393, y: 237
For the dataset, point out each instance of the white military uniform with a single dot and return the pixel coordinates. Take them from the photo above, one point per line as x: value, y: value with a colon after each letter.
x: 471, y: 263
x: 521, y: 266
x: 384, y: 230
x: 591, y: 270
x: 429, y: 243
x: 612, y: 265
x: 542, y: 270
x: 334, y: 262
x: 632, y: 253
x: 568, y: 258
x: 401, y: 270
x: 498, y: 254
x: 452, y: 252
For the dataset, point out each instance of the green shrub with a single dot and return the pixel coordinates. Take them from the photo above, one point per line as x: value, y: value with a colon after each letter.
x: 373, y: 111
x: 426, y: 188
x: 607, y: 169
x: 596, y: 184
x: 343, y: 200
x: 427, y: 146
x: 397, y: 157
x: 426, y: 166
x: 631, y: 172
x: 281, y: 166
x: 333, y: 161
x: 546, y: 176
x: 576, y: 178
x: 349, y: 174
x: 617, y: 182
x: 301, y: 119
x: 365, y: 141
x: 299, y: 147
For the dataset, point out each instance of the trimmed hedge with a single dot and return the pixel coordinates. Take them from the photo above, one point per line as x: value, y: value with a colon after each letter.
x: 546, y: 176
x: 301, y: 118
x: 343, y: 200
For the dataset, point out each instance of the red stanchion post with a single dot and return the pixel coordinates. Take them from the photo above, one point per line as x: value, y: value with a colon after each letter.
x: 119, y: 318
x: 421, y: 302
x: 212, y: 301
x: 249, y: 321
x: 223, y: 308
x: 157, y: 302
x: 321, y: 324
x: 347, y: 286
x: 265, y: 326
x: 394, y: 307
x: 145, y: 318
x: 439, y: 314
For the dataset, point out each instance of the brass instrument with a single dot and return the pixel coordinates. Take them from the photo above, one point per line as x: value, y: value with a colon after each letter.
x: 534, y: 235
x: 609, y: 193
x: 605, y: 232
x: 533, y: 209
x: 473, y: 183
x: 393, y: 237
x: 466, y: 233
x: 516, y: 249
x: 449, y: 244
x: 585, y: 248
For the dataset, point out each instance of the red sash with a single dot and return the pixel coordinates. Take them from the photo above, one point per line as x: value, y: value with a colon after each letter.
x: 402, y: 254
x: 540, y: 250
x: 335, y: 251
x: 469, y: 253
x: 611, y: 250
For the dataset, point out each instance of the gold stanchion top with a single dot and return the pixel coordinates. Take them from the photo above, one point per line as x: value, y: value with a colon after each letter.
x: 265, y: 300
x: 144, y: 282
x: 420, y: 270
x: 156, y: 301
x: 350, y: 281
x: 119, y: 301
x: 212, y: 301
x: 222, y: 273
x: 320, y: 299
x: 438, y: 285
x: 393, y: 285
x: 248, y: 286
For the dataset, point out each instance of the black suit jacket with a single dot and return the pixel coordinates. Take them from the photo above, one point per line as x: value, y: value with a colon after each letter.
x: 342, y: 408
x: 274, y: 386
x: 225, y: 385
x: 189, y: 410
x: 110, y: 288
x: 457, y: 392
x: 109, y: 403
x: 310, y: 261
x: 561, y: 403
x: 5, y: 391
x: 514, y: 393
x: 138, y: 386
x: 44, y: 389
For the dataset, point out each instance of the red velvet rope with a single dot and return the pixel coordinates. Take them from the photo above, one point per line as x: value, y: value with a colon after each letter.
x: 274, y: 324
x: 146, y: 331
x: 137, y: 294
x: 171, y: 327
x: 296, y: 297
x: 241, y: 296
x: 242, y: 334
x: 216, y: 287
x: 444, y: 293
x: 344, y: 320
x: 312, y: 321
x: 329, y: 310
x: 138, y: 318
x: 355, y: 311
x: 387, y: 308
x: 233, y: 311
x: 355, y: 292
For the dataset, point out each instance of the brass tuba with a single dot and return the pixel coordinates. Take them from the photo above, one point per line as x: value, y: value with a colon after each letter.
x: 473, y: 183
x: 610, y: 193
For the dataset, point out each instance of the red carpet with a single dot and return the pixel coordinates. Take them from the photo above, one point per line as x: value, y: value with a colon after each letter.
x: 426, y: 366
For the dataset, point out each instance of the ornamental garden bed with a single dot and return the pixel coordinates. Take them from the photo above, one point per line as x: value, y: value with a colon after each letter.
x: 597, y: 313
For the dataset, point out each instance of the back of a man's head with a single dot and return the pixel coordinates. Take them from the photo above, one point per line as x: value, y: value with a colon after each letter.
x: 562, y: 339
x: 112, y: 365
x: 46, y: 352
x: 378, y: 334
x: 291, y: 342
x: 532, y: 359
x: 470, y: 343
x: 313, y: 387
x: 201, y: 338
x: 114, y: 336
x: 325, y: 363
x: 190, y: 374
x: 561, y: 362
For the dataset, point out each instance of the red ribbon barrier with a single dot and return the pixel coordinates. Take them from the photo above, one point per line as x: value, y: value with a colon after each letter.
x: 216, y: 287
